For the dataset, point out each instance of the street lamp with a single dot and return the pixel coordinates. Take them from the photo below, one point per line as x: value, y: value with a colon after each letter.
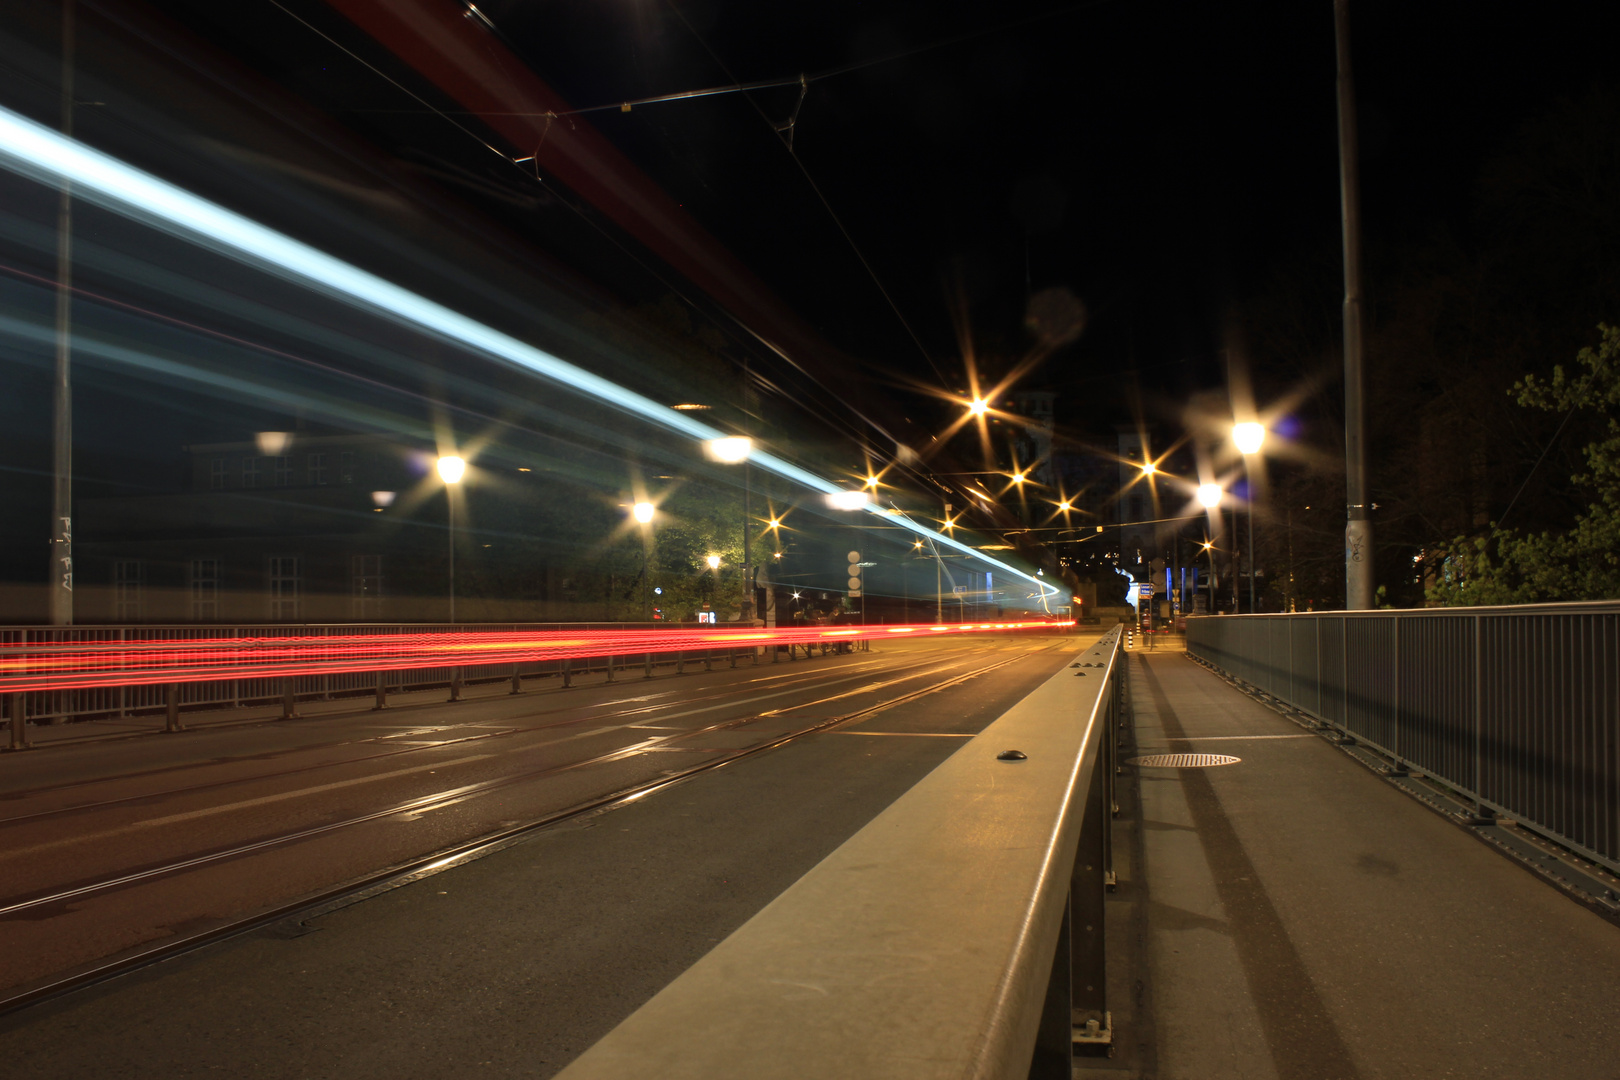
x: 713, y: 561
x: 736, y: 450
x: 978, y: 407
x: 643, y: 512
x: 1249, y: 437
x: 451, y: 469
x: 1209, y: 495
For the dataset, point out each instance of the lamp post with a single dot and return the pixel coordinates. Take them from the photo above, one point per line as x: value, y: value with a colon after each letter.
x: 643, y: 512
x: 451, y: 470
x: 735, y: 450
x: 1209, y: 497
x: 1249, y: 437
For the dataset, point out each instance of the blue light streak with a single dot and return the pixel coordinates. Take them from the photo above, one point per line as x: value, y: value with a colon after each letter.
x: 35, y: 151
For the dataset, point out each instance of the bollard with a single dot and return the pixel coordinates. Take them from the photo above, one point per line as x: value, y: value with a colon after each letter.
x: 610, y: 669
x: 649, y: 673
x: 776, y: 654
x: 733, y: 654
x: 289, y: 699
x: 680, y: 663
x: 382, y: 691
x: 517, y: 680
x: 568, y: 674
x: 455, y: 684
x: 19, y: 721
x: 171, y: 708
x: 708, y: 659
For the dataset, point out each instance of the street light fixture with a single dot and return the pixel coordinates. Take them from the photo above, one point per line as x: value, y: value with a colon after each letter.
x: 713, y: 561
x: 1149, y: 468
x: 731, y: 450
x: 847, y: 500
x: 978, y: 407
x: 451, y: 469
x: 1249, y: 437
x: 643, y: 512
x: 1209, y: 496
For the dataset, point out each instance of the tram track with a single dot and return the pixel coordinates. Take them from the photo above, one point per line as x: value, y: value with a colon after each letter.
x: 190, y: 789
x: 354, y: 890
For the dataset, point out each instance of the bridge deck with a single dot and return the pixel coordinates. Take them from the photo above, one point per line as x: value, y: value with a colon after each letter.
x: 1295, y: 916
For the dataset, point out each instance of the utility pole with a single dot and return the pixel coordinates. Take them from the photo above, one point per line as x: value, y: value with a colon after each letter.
x: 61, y: 582
x: 1358, y: 530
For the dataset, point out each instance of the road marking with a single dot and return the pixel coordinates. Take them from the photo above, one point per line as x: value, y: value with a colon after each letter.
x: 264, y: 800
x: 1232, y: 738
x: 914, y: 734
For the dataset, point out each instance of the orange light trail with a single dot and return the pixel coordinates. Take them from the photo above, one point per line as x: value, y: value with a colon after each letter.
x: 91, y: 664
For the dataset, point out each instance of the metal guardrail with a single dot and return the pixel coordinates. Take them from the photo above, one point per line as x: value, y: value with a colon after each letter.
x: 1516, y: 708
x: 959, y: 934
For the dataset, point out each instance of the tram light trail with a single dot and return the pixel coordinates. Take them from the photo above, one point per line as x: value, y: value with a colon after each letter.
x: 89, y: 665
x: 37, y: 152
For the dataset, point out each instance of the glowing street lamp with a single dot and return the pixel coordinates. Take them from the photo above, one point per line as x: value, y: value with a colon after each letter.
x: 978, y: 407
x: 847, y: 500
x: 732, y: 450
x: 451, y: 469
x: 1249, y: 438
x: 713, y: 561
x: 1149, y: 468
x: 1209, y: 495
x: 643, y: 512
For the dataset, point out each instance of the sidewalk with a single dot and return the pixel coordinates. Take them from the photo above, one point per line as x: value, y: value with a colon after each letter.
x: 1294, y: 916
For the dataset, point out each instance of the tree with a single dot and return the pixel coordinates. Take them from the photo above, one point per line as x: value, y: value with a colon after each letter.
x: 1581, y: 563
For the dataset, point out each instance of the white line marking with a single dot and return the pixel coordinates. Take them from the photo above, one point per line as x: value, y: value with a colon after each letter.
x: 916, y: 734
x: 264, y: 800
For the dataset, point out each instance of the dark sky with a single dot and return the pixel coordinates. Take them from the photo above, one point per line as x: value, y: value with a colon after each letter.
x: 1161, y: 161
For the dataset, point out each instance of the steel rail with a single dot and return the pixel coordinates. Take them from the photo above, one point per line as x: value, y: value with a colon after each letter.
x: 425, y: 866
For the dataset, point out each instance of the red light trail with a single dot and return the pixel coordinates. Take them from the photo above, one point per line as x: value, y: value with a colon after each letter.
x: 83, y: 665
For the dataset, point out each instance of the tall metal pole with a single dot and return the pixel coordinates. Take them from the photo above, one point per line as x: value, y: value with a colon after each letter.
x: 450, y: 501
x: 1250, y: 477
x: 747, y: 612
x: 61, y: 583
x: 1358, y: 530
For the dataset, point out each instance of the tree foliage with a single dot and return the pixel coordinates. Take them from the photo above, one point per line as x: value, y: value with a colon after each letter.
x: 1504, y: 566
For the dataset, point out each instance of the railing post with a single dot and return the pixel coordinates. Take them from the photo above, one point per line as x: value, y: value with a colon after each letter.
x: 1399, y: 768
x: 610, y: 669
x: 289, y: 698
x: 517, y: 679
x: 1090, y: 1023
x: 680, y: 663
x: 649, y: 666
x: 15, y: 713
x: 568, y: 673
x: 708, y: 659
x: 171, y: 708
x: 455, y: 684
x: 382, y: 691
x: 1482, y: 813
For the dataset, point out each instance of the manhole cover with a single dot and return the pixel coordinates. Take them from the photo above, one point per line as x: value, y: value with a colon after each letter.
x: 1183, y: 761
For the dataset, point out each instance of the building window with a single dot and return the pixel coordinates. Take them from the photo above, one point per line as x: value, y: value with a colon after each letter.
x: 283, y: 467
x: 128, y: 577
x: 346, y: 467
x: 284, y: 587
x: 250, y: 472
x: 204, y: 590
x: 219, y: 473
x: 317, y: 469
x: 365, y: 576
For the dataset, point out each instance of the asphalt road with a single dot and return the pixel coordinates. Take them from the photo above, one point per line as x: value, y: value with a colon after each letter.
x: 509, y: 965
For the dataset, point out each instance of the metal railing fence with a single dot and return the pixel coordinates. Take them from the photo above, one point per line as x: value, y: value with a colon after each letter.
x: 1516, y: 708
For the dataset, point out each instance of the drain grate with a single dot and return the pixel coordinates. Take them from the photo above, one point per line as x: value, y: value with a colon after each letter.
x: 1183, y: 761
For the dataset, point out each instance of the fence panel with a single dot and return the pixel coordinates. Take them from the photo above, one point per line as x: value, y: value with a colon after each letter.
x: 1517, y: 708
